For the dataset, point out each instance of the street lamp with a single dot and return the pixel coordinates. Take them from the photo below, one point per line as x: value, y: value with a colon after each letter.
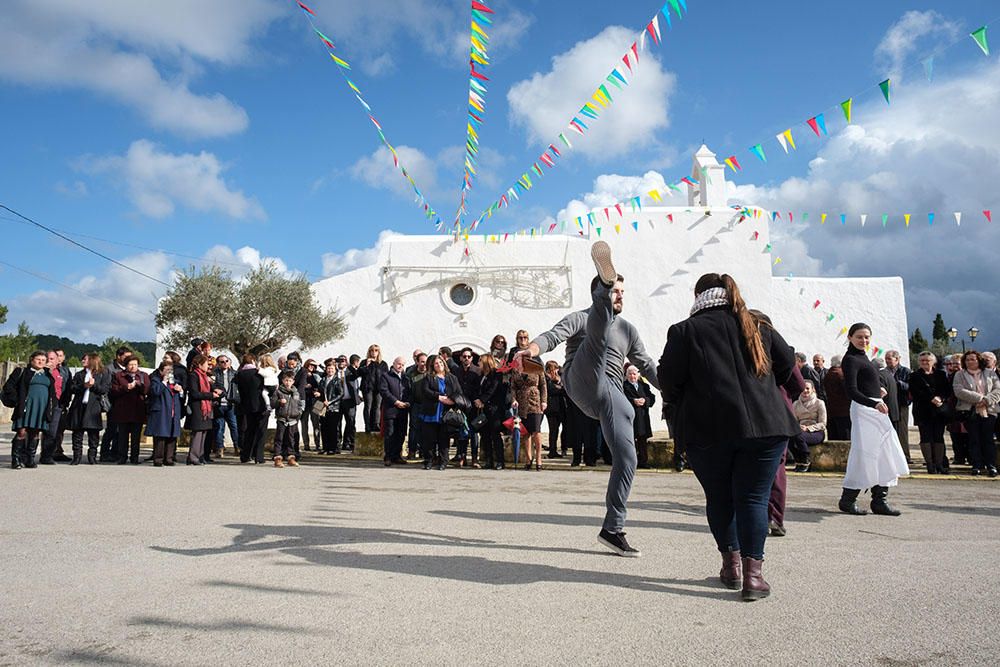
x: 953, y: 334
x: 973, y: 332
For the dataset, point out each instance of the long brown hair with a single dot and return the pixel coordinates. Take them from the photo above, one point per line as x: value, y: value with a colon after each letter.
x: 749, y: 325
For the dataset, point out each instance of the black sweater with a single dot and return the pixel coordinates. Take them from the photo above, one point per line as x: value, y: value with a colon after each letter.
x: 861, y: 378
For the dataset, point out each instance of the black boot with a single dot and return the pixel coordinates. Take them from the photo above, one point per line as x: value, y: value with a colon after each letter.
x: 28, y: 452
x: 15, y: 454
x: 879, y: 504
x: 848, y: 504
x: 91, y: 456
x: 925, y: 449
x: 938, y: 458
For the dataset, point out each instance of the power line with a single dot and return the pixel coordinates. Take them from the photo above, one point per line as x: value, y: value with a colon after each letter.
x: 71, y: 288
x: 87, y: 248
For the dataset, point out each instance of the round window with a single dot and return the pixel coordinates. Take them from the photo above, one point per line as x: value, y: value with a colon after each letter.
x: 462, y: 294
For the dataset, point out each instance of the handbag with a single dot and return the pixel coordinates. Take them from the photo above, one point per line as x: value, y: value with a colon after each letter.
x: 453, y: 418
x: 105, y: 403
x: 319, y: 409
x: 478, y: 422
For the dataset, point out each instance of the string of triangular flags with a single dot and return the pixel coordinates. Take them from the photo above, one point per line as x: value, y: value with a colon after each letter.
x: 344, y: 67
x: 817, y: 123
x: 601, y: 99
x: 862, y: 218
x: 479, y: 41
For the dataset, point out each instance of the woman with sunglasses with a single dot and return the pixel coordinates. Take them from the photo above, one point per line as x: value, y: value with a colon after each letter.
x: 372, y: 369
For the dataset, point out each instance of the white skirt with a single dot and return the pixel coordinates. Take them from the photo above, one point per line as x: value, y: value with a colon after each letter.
x: 876, y: 457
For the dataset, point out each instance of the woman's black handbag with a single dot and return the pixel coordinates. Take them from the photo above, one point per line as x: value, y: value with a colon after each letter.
x: 946, y: 412
x: 477, y: 423
x: 462, y: 403
x: 453, y: 419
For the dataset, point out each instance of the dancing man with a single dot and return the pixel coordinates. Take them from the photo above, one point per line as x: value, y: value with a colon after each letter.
x: 598, y: 342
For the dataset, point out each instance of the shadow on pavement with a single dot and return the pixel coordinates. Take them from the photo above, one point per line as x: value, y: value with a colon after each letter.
x: 980, y: 511
x: 566, y: 520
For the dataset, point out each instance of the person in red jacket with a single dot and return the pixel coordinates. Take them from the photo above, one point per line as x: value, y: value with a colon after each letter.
x: 128, y: 389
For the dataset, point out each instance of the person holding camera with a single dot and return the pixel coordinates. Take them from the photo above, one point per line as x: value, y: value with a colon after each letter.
x: 128, y: 391
x: 163, y: 423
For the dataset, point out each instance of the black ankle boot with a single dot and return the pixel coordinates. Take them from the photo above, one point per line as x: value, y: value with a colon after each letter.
x: 879, y: 504
x: 848, y: 504
x: 91, y: 457
x: 77, y: 455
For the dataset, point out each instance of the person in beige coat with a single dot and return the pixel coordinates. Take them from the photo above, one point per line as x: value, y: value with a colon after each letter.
x: 530, y: 401
x: 977, y: 391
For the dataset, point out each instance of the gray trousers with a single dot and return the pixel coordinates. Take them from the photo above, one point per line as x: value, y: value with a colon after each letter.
x: 599, y: 397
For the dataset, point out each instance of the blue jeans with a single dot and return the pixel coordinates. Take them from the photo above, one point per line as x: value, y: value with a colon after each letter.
x: 227, y: 415
x: 737, y: 477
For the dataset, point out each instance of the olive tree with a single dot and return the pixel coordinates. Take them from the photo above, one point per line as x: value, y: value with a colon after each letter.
x: 259, y: 312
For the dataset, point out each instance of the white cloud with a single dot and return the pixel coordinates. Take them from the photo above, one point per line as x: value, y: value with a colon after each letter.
x: 378, y: 171
x: 117, y: 302
x: 380, y: 66
x: 545, y: 103
x: 914, y: 29
x: 937, y: 149
x: 157, y: 182
x: 141, y: 60
x: 355, y: 258
x: 439, y: 28
x: 74, y: 189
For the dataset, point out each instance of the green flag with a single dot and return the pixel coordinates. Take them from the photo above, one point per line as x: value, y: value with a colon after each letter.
x: 885, y: 89
x: 980, y: 37
x: 846, y: 106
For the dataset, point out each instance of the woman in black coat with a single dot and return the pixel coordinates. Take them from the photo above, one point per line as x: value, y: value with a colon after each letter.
x: 641, y: 397
x: 722, y: 369
x: 86, y: 413
x: 493, y: 402
x: 371, y: 371
x: 435, y: 394
x: 36, y: 399
x: 202, y: 394
x: 930, y: 390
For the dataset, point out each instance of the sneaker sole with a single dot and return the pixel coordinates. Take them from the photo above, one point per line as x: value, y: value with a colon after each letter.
x: 614, y: 549
x: 600, y: 252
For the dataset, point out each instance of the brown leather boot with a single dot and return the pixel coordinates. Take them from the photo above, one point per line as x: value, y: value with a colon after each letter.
x: 754, y: 586
x: 292, y: 462
x: 731, y: 574
x: 278, y: 462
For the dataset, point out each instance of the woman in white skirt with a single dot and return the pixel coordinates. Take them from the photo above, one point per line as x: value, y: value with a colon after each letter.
x: 876, y: 459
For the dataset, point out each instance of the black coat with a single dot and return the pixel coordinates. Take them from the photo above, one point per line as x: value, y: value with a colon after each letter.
x: 925, y: 387
x: 470, y: 380
x: 332, y: 391
x: 23, y: 383
x: 641, y: 426
x: 250, y: 384
x: 493, y: 392
x: 88, y: 416
x: 888, y: 382
x: 392, y: 388
x: 196, y: 421
x: 350, y: 398
x: 706, y: 372
x: 370, y: 373
x: 426, y: 393
x: 556, y: 406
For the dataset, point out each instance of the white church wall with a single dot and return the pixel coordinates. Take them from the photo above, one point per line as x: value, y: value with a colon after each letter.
x: 879, y: 302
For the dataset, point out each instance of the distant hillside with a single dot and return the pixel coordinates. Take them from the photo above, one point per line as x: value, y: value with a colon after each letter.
x: 76, y: 350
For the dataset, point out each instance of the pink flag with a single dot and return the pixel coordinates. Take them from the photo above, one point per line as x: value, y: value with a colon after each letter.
x: 989, y: 216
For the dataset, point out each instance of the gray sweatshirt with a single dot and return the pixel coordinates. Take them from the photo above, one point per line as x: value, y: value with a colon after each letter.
x: 623, y: 343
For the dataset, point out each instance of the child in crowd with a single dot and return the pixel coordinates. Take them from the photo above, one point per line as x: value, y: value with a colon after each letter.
x: 288, y: 408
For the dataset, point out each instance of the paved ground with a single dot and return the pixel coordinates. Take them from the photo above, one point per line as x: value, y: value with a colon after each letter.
x: 350, y: 563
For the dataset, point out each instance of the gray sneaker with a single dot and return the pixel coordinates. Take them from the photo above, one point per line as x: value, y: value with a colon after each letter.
x: 600, y: 252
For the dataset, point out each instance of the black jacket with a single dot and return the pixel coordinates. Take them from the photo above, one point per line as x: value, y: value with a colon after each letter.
x: 861, y: 378
x: 333, y: 392
x: 393, y: 388
x: 196, y: 420
x: 232, y: 396
x: 23, y: 383
x: 923, y: 388
x: 706, y: 372
x: 556, y: 406
x: 888, y: 381
x: 250, y: 384
x: 641, y: 426
x: 470, y: 380
x: 426, y: 393
x: 88, y: 416
x: 370, y: 373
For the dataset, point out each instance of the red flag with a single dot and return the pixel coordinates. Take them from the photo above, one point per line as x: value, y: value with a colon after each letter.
x: 813, y: 125
x: 607, y: 214
x: 756, y: 235
x: 481, y: 7
x: 627, y: 63
x: 466, y: 252
x: 670, y: 217
x: 816, y: 305
x: 790, y: 217
x: 552, y: 226
x: 635, y: 53
x: 652, y: 31
x: 736, y: 164
x: 989, y: 216
x: 477, y: 75
x: 306, y: 9
x: 618, y: 207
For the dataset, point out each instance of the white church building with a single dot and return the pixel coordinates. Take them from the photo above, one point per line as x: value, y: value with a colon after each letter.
x: 425, y: 292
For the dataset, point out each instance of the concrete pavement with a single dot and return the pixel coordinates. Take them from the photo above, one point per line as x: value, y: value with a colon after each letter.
x: 356, y: 564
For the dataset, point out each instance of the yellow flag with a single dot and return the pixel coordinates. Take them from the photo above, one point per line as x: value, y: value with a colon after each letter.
x: 618, y: 229
x: 788, y: 136
x: 906, y: 218
x: 822, y: 219
x: 655, y: 195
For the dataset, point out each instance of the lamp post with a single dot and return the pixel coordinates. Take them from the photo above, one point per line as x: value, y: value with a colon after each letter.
x: 973, y: 332
x: 953, y: 334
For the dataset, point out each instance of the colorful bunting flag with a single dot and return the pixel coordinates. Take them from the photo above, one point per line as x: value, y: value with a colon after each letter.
x: 733, y: 164
x: 864, y: 218
x: 980, y: 37
x: 816, y: 304
x: 822, y: 218
x: 989, y: 216
x: 843, y: 218
x: 930, y: 218
x: 845, y: 106
x: 928, y: 64
x: 906, y: 219
x: 958, y: 218
x: 885, y: 219
x: 884, y: 87
x: 758, y: 150
x: 817, y: 123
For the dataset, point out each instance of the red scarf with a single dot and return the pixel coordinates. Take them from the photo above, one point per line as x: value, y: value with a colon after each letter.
x: 205, y: 387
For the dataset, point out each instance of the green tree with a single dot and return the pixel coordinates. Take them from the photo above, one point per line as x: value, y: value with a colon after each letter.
x: 17, y: 346
x: 917, y: 345
x: 940, y: 332
x: 111, y: 345
x: 3, y: 313
x: 258, y: 313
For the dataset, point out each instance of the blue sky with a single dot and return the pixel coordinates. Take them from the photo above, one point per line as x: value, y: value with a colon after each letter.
x: 222, y: 131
